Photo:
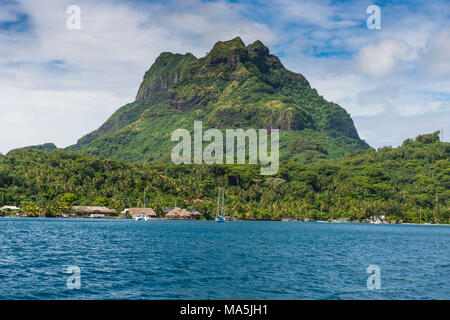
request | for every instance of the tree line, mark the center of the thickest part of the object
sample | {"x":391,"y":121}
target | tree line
{"x":410,"y":183}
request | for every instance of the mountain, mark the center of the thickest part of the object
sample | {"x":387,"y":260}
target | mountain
{"x":233,"y":86}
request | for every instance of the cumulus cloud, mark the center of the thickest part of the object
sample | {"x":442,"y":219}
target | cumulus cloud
{"x":436,"y":55}
{"x":387,"y":129}
{"x":30,"y":116}
{"x":311,"y":12}
{"x":395,"y":100}
{"x":383,"y":58}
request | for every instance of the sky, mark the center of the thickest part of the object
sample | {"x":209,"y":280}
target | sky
{"x":58,"y":84}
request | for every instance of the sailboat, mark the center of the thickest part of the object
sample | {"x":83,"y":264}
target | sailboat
{"x":220,"y":210}
{"x":143,"y":216}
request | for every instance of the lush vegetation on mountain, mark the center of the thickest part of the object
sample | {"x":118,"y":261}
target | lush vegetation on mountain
{"x":233,"y":86}
{"x":410,"y":183}
{"x":43,"y":147}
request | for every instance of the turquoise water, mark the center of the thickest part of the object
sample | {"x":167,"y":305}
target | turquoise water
{"x":124,"y":259}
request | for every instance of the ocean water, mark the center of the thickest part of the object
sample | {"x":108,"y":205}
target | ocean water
{"x":124,"y":259}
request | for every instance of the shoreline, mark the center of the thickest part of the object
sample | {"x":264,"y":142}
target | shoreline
{"x":237,"y":220}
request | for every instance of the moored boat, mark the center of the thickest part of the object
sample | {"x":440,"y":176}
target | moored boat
{"x":220,"y":210}
{"x":143,"y":216}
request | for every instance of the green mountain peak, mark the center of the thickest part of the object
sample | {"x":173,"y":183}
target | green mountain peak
{"x":233,"y":86}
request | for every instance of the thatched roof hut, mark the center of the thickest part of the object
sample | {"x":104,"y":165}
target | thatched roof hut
{"x":176,"y":213}
{"x":173,"y":214}
{"x":135,"y":212}
{"x":184,"y":214}
{"x":92,"y":210}
{"x":195,"y":214}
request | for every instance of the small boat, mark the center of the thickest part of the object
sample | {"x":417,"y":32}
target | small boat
{"x":143,"y":216}
{"x":220,"y":211}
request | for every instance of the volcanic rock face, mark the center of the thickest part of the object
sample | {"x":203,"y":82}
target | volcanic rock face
{"x":227,"y":61}
{"x":233,"y":86}
{"x":164,"y":72}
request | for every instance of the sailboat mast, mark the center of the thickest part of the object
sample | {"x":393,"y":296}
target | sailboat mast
{"x":223,"y":201}
{"x":218,"y":202}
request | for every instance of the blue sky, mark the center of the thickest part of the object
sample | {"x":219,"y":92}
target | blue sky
{"x":58,"y":84}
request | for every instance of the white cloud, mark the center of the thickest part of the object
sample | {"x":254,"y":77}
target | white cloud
{"x":369,"y":102}
{"x":383,"y":58}
{"x":311,"y":12}
{"x":397,"y":101}
{"x":37,"y":116}
{"x":436,"y":55}
{"x":388,"y":129}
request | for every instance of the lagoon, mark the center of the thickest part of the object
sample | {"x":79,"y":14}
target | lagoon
{"x":127,"y":259}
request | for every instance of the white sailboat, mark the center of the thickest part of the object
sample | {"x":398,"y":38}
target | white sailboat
{"x":220,"y":211}
{"x":143,"y":216}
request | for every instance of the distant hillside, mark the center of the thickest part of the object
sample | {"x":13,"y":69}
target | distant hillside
{"x":233,"y":86}
{"x":44,"y":147}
